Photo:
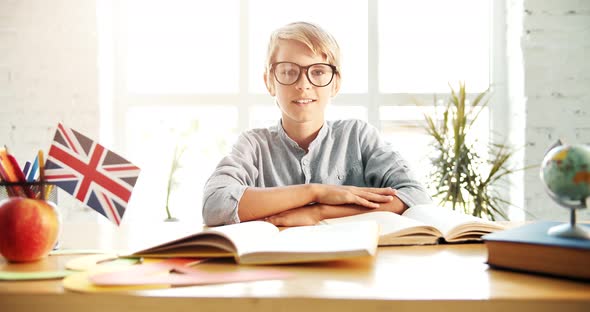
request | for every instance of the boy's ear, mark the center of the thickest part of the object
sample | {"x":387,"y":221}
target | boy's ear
{"x":269,"y":84}
{"x":336,"y":86}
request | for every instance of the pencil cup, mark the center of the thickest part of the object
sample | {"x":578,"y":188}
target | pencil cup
{"x":29,"y":226}
{"x":12,"y":189}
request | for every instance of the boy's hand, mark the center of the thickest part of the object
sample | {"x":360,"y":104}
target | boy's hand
{"x":313,"y":214}
{"x":363,"y":196}
{"x":307,"y":215}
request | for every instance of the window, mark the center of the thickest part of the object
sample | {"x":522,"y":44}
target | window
{"x":171,"y":48}
{"x":180,"y":64}
{"x":425,"y":44}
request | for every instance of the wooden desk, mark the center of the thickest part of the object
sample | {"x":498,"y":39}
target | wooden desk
{"x":418,"y":278}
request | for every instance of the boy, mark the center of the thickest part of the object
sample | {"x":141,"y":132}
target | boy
{"x":306,"y":169}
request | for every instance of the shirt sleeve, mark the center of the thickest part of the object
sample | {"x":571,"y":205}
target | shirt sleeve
{"x":385,"y":167}
{"x":227,"y":184}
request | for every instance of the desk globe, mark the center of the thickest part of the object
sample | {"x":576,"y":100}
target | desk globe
{"x":566,"y":173}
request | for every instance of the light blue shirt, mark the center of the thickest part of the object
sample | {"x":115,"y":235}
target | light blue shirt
{"x":345,"y":152}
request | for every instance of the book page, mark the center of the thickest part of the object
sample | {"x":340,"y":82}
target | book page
{"x":227,"y":238}
{"x":247,"y":235}
{"x":454,"y":226}
{"x":394,"y":229}
{"x":315,"y":243}
{"x":144,"y":237}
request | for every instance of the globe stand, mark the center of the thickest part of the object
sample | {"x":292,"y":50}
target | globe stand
{"x":571,"y":230}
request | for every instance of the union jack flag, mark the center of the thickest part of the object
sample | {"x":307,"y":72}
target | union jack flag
{"x":94,"y":175}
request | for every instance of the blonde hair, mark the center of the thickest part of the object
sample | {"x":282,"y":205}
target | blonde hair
{"x":319,"y":41}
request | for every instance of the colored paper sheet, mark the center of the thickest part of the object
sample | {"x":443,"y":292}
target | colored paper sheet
{"x":177,"y":272}
{"x":100,"y":263}
{"x":27,"y":276}
{"x":89,"y":262}
{"x":101,"y":274}
{"x":79,"y":282}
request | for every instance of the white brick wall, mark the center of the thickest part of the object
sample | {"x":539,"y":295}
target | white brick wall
{"x":555,"y":49}
{"x":48,"y":72}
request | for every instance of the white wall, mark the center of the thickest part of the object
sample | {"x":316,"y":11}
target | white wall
{"x":556,"y":52}
{"x":48,"y":73}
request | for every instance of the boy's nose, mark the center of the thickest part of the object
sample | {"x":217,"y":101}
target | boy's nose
{"x":303,"y":83}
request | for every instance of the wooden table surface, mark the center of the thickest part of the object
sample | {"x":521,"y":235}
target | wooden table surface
{"x":442,"y":277}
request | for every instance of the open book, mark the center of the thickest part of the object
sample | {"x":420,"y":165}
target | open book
{"x":258,"y":242}
{"x":423,"y":225}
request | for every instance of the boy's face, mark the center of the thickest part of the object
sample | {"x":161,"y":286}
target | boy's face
{"x":301,"y":102}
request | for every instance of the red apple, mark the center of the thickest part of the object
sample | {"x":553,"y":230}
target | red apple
{"x":28,"y":228}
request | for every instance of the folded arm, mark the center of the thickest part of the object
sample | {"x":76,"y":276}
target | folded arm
{"x":312,"y":214}
{"x":258,"y":203}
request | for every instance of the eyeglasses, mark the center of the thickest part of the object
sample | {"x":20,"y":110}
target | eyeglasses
{"x":319,"y":75}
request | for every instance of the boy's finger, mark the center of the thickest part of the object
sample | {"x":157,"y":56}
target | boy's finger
{"x":377,"y":197}
{"x":381,"y":191}
{"x":363,"y":202}
{"x":276,"y":220}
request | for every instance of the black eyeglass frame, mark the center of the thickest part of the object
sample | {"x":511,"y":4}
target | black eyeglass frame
{"x":301,"y":68}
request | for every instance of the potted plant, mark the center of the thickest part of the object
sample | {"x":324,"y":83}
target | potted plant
{"x":176,"y":164}
{"x":178,"y":151}
{"x":462,"y":178}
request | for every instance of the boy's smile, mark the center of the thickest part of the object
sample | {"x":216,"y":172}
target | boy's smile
{"x":304,"y":101}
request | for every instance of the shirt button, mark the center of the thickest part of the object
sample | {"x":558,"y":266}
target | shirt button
{"x":305,"y":162}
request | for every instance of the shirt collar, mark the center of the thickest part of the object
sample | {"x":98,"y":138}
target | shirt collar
{"x":321,"y":135}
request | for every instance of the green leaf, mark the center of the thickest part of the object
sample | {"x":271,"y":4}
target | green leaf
{"x":462,"y":178}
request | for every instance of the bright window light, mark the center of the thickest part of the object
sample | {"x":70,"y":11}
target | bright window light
{"x":181,"y":46}
{"x":426,"y":44}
